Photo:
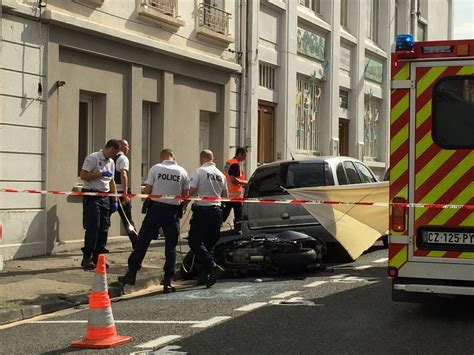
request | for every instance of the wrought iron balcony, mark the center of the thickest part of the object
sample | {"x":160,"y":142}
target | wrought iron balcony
{"x":162,"y":11}
{"x":167,"y":7}
{"x":214,"y":19}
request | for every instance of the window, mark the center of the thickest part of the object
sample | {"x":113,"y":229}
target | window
{"x":267,"y":76}
{"x":373,"y":20}
{"x":421,"y":31}
{"x":453,"y":107}
{"x":146,"y":139}
{"x":344,"y":13}
{"x":343,"y":99}
{"x":86,"y":129}
{"x":314,"y":5}
{"x":273,"y":180}
{"x":365,"y":173}
{"x":307,"y":114}
{"x":351,"y":172}
{"x":371,"y":127}
{"x":341,"y":175}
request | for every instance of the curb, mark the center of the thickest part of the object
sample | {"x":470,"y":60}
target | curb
{"x":29,"y":311}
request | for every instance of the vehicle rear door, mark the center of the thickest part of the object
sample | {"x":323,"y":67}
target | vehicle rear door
{"x":442,"y":161}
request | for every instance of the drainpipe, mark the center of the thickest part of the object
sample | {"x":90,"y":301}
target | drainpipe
{"x":243,"y":79}
{"x":413,"y":17}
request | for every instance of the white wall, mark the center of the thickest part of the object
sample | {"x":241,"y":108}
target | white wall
{"x":22,"y":135}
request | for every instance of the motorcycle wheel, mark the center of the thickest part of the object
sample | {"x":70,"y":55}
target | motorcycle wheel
{"x":296,"y":262}
{"x":188,"y":268}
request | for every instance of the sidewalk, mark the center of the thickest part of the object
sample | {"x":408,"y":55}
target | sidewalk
{"x":38,"y":285}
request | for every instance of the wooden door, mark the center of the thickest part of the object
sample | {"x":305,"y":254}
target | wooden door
{"x":343,"y":137}
{"x":266,"y":134}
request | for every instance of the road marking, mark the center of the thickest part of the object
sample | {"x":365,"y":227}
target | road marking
{"x":286,"y":294}
{"x":210,"y":322}
{"x":315,"y":284}
{"x":122,"y":321}
{"x":158,"y":341}
{"x":338,"y":276}
{"x":383,"y":260}
{"x":251,"y":306}
{"x":362,"y":267}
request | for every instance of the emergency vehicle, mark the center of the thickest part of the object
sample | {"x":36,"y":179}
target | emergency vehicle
{"x":431,"y":249}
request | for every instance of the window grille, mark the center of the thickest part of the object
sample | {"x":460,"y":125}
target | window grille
{"x":308,"y":100}
{"x":314,"y":5}
{"x":267,"y":76}
{"x":343,"y":99}
{"x":371,"y":127}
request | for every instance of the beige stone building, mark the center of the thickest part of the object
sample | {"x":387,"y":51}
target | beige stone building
{"x":161,"y":73}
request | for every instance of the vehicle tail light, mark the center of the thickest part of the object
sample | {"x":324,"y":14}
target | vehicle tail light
{"x":399,"y":214}
{"x":392,"y":271}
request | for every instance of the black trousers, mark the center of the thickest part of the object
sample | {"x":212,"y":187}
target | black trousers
{"x":237,"y":207}
{"x":96,"y":222}
{"x":159,"y":215}
{"x":125,"y":213}
{"x":204,"y":233}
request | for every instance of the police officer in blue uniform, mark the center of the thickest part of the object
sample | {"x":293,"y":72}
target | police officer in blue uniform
{"x":97,"y":172}
{"x":166,"y":178}
{"x":207,"y":181}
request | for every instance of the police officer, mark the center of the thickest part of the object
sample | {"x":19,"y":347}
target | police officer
{"x":97,"y":172}
{"x":122,"y":166}
{"x":235,"y":176}
{"x":207,"y":181}
{"x":166,"y":178}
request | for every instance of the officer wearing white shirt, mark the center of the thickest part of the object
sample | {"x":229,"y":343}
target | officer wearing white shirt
{"x":207,"y":181}
{"x":122,"y":167}
{"x":166,"y":178}
{"x":97,"y":172}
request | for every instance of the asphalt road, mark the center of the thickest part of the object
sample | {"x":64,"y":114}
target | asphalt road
{"x":345,"y":311}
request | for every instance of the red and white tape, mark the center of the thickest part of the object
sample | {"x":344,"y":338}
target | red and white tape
{"x":247,"y":200}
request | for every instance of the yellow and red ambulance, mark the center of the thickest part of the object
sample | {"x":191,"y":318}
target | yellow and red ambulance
{"x":431,"y":240}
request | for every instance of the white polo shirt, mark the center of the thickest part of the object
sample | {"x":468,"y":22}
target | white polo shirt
{"x":98,"y":161}
{"x":122,"y":163}
{"x":210,"y":182}
{"x":168,"y":178}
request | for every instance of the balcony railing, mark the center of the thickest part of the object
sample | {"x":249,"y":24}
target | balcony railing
{"x":167,"y":7}
{"x":214,"y":19}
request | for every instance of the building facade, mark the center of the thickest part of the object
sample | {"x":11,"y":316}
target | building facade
{"x":161,"y":73}
{"x":318,"y":74}
{"x":314,"y":77}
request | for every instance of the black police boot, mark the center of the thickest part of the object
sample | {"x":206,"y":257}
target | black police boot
{"x":202,"y":279}
{"x":167,"y":288}
{"x":129,"y":278}
{"x":215,"y":273}
{"x":87,"y":263}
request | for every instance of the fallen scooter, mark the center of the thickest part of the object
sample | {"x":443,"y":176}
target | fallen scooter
{"x":288,"y":251}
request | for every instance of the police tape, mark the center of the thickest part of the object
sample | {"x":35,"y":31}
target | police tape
{"x":246,"y":200}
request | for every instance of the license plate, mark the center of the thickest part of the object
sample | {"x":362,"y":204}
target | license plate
{"x":452,"y":238}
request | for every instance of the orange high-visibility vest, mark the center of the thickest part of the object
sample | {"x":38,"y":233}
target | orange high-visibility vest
{"x":235,"y":190}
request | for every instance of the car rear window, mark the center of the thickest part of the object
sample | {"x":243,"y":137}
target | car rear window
{"x":274,"y":180}
{"x":341,"y":175}
{"x":351,"y":172}
{"x":453,"y":107}
{"x":364,"y":173}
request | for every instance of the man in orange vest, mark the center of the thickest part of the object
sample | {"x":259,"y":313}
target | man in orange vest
{"x":235,"y":176}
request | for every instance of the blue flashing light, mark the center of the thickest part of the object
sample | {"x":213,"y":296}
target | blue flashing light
{"x":405,"y":43}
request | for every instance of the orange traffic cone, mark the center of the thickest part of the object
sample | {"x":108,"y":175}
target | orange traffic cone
{"x":101,"y":331}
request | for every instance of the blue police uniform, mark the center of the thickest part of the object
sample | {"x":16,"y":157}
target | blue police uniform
{"x":166,"y":178}
{"x":207,"y":215}
{"x":96,"y":210}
